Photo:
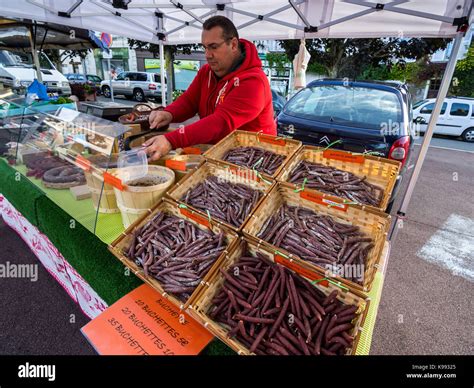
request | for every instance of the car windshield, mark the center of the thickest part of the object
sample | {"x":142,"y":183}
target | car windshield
{"x":419,"y":103}
{"x":20,"y":59}
{"x":354,"y":106}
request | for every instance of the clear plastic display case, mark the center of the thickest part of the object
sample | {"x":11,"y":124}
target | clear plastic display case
{"x":71,"y":157}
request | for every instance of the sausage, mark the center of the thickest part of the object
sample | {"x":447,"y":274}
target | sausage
{"x":300,"y":326}
{"x":318,"y":239}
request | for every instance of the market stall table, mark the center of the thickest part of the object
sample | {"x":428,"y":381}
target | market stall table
{"x":95,"y":278}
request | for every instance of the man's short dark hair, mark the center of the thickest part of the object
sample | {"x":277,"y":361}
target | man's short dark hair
{"x":228,"y":29}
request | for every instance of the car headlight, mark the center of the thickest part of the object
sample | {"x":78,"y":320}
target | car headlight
{"x":64,"y":84}
{"x":16,"y":83}
{"x":25,"y":83}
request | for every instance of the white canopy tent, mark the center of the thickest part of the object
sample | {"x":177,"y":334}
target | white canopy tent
{"x":255,"y":19}
{"x":179,"y":22}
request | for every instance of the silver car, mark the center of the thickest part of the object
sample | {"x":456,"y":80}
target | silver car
{"x":133,"y":84}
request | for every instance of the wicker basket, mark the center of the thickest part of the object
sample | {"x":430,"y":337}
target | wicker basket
{"x":372,"y":222}
{"x":227,"y":173}
{"x":120,"y":245}
{"x":278,"y":145}
{"x":379,"y":171}
{"x":199,"y":309}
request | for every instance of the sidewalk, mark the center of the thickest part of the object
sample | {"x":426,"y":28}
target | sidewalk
{"x":38,"y":317}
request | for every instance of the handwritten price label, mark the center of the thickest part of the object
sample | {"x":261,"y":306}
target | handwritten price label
{"x":272,"y":140}
{"x":195,"y":217}
{"x":311,"y":275}
{"x":319,"y":199}
{"x":176,"y":165}
{"x":343,"y":156}
{"x":113,"y":181}
{"x":83,"y":163}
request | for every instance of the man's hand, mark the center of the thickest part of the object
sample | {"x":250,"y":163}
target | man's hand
{"x":159,"y":118}
{"x":157,"y":147}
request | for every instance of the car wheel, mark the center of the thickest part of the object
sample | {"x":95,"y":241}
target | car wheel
{"x":106,"y":91}
{"x":468,"y":135}
{"x":138,"y":95}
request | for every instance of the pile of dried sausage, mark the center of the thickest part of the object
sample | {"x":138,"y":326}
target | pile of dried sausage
{"x":336,"y":182}
{"x":317,"y":238}
{"x":273,"y":311}
{"x":175,"y":252}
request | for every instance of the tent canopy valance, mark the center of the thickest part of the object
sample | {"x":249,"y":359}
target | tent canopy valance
{"x":179,"y":22}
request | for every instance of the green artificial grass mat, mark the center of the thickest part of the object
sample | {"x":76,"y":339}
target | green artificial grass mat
{"x":19,"y":191}
{"x":108,"y":227}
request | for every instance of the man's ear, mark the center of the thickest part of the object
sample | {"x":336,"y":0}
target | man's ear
{"x":235,"y":43}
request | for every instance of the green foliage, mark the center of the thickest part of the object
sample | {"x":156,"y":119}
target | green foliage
{"x":277,"y":60}
{"x":352,"y":57}
{"x":176,"y":94}
{"x":61,"y":100}
{"x":155,"y":48}
{"x":405,"y":72}
{"x":317,"y":68}
{"x":464,"y":75}
{"x":60,"y":58}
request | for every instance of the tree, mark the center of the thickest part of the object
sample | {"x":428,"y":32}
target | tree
{"x":349,"y":57}
{"x":60,"y":58}
{"x":464,"y":74}
{"x":170,"y":54}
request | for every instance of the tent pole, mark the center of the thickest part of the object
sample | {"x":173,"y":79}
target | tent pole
{"x":35,"y":56}
{"x":443,"y":91}
{"x":162,"y":73}
{"x":111,"y":81}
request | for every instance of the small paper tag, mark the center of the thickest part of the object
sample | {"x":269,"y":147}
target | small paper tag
{"x":272,"y":140}
{"x":300,"y":270}
{"x":343,"y":156}
{"x":83,"y":163}
{"x":319,"y":199}
{"x":176,"y":165}
{"x":195,"y":217}
{"x":113,"y":180}
{"x":192,"y":151}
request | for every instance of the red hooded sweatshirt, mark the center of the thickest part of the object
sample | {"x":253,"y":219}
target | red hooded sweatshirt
{"x":240,"y":100}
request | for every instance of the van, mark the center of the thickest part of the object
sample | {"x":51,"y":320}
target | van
{"x":455,"y":119}
{"x":17,"y":72}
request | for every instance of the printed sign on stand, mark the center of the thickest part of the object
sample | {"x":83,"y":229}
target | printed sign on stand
{"x":145,"y":323}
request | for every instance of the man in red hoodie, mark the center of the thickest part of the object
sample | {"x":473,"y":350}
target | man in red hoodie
{"x":230,"y":92}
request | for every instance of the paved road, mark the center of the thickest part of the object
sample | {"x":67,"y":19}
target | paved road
{"x":37,"y":315}
{"x":440,"y":141}
{"x":427,"y":305}
{"x":118,"y":99}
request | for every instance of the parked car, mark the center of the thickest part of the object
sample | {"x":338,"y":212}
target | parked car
{"x":90,"y":79}
{"x":17,"y":72}
{"x":136,"y":85}
{"x":278,"y":102}
{"x":455,"y":119}
{"x":365,"y":116}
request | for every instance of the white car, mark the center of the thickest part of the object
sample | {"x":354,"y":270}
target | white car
{"x":456,"y":117}
{"x":138,"y":85}
{"x":17,"y":72}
